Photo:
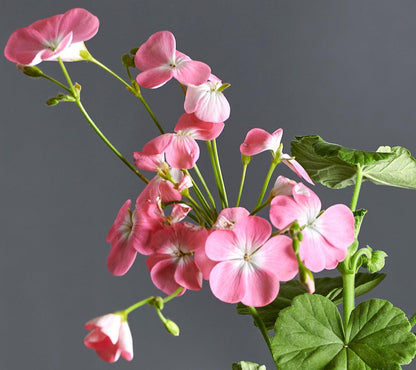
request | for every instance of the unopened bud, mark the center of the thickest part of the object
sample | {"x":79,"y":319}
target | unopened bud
{"x":171,"y":327}
{"x":282,"y":186}
{"x":31,"y":71}
{"x":127,"y":61}
{"x":306,"y":278}
{"x":158,"y":303}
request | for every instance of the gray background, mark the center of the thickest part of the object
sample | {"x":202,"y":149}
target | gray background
{"x":341,"y":69}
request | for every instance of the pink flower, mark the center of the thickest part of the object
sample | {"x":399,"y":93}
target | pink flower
{"x":282,"y":186}
{"x":207,"y":101}
{"x":160,"y":61}
{"x":326,"y":236}
{"x":259,"y":140}
{"x":171,"y":265}
{"x":250,"y":264}
{"x":110,"y":337}
{"x":62,"y":35}
{"x":181,"y":149}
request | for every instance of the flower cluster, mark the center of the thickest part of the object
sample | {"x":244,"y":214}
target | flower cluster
{"x":233,"y":248}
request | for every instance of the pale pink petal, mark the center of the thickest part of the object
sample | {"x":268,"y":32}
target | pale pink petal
{"x":284,"y":210}
{"x":260,"y":287}
{"x":282,"y":186}
{"x":213,"y":107}
{"x":297,"y":168}
{"x":148,"y":162}
{"x":204,"y":263}
{"x":71,"y":53}
{"x":308,"y":201}
{"x":190,"y":238}
{"x":229,"y":216}
{"x":226,"y":281}
{"x":199,"y":130}
{"x":179,"y":212}
{"x":154,"y":77}
{"x":159,"y":144}
{"x":118,"y":222}
{"x":252,"y":232}
{"x":192,"y":72}
{"x":255,"y":142}
{"x":158,"y":50}
{"x":108,"y":324}
{"x":192,"y":97}
{"x":120,"y":258}
{"x":188,"y":274}
{"x":336,"y":225}
{"x":125,"y":342}
{"x":183,"y":152}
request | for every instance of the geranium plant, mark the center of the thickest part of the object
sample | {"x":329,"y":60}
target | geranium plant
{"x":189,"y":233}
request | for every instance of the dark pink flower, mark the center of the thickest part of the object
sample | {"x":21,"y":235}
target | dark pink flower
{"x":160,"y":61}
{"x":250,"y":263}
{"x":326,"y":236}
{"x":207,"y":101}
{"x":172,"y":265}
{"x":110,"y":337}
{"x":62,"y":35}
{"x":259,"y":140}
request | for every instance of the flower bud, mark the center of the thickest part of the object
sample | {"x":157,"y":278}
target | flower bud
{"x":30,"y":71}
{"x":171,"y":327}
{"x":306,"y":278}
{"x":158,"y":303}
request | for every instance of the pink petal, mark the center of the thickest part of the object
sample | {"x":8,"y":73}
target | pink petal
{"x":336,"y":225}
{"x":260,"y":287}
{"x":284,"y":210}
{"x":298,"y":169}
{"x":188,"y":274}
{"x":283,"y":186}
{"x":252,"y":232}
{"x":199,"y":130}
{"x":278,"y":257}
{"x":111,"y":354}
{"x":113,"y":234}
{"x":255,"y":142}
{"x":192,"y":72}
{"x":120,"y":258}
{"x":108,"y":325}
{"x":204,"y":263}
{"x":222,"y":245}
{"x":81,"y":23}
{"x":154,"y":77}
{"x":148,"y":162}
{"x":308,"y":201}
{"x":226,"y":281}
{"x":158,"y":50}
{"x":213,"y":107}
{"x":183,"y":152}
{"x":163,"y":273}
{"x":158,"y":145}
{"x":192,"y":97}
{"x":316,"y":253}
{"x":229,"y":216}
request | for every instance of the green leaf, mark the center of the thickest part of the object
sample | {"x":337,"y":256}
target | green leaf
{"x":336,"y":167}
{"x":330,"y":164}
{"x":398,"y":170}
{"x":328,"y":287}
{"x":379,"y":334}
{"x":244,"y":365}
{"x":310,"y":335}
{"x":358,"y":218}
{"x":376,"y":262}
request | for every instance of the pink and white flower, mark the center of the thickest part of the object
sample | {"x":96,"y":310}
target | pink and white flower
{"x":110,"y":337}
{"x":250,"y":263}
{"x":171,"y":265}
{"x":160,"y":61}
{"x":62,"y":35}
{"x":259,"y":140}
{"x":282,"y":186}
{"x":326,"y":236}
{"x":180,"y":148}
{"x":207,"y":101}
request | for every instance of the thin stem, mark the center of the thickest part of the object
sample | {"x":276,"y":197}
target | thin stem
{"x":215,"y":170}
{"x":94,"y":126}
{"x":197,"y":208}
{"x":140,"y":96}
{"x":262,"y":328}
{"x":260,"y":207}
{"x":137,"y":305}
{"x":356,"y":257}
{"x":276,"y":160}
{"x":243,"y":178}
{"x":198,"y":193}
{"x":56,"y":82}
{"x":217,"y":162}
{"x":173,"y":295}
{"x":357,"y":188}
{"x":204,"y":184}
{"x":348,"y":303}
{"x":98,"y":63}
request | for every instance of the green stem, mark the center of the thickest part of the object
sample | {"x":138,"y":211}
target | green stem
{"x":348,"y":296}
{"x":221,"y":179}
{"x":198,"y":193}
{"x":56,"y":82}
{"x":204,"y":184}
{"x":94,"y":126}
{"x":215,"y":170}
{"x":262,"y":328}
{"x":173,"y":295}
{"x":260,"y":207}
{"x":198,"y":210}
{"x":356,"y":257}
{"x":243,"y":177}
{"x":357,"y":188}
{"x":276,"y":160}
